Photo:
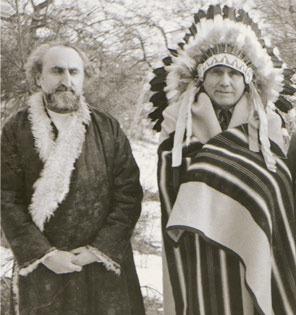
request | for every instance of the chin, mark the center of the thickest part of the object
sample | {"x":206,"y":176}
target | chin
{"x":226,"y":102}
{"x":64,"y":103}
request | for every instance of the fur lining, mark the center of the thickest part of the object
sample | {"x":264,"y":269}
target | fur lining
{"x":107,"y":261}
{"x":25,"y":271}
{"x":15,"y":289}
{"x":58,"y":156}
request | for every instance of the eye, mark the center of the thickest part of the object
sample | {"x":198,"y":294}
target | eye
{"x":74,"y":71}
{"x":57,"y":70}
{"x":234,"y":72}
{"x":217,"y":71}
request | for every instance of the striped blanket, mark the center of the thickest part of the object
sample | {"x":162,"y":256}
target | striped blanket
{"x":229,"y":230}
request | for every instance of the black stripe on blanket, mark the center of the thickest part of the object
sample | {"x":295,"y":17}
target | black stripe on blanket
{"x":229,"y":153}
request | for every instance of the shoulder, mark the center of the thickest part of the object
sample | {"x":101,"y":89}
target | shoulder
{"x":104,"y":120}
{"x":20,"y":119}
{"x":292,"y":155}
{"x":167,"y":143}
{"x":292,"y":147}
{"x":16,"y":129}
{"x":102,"y":115}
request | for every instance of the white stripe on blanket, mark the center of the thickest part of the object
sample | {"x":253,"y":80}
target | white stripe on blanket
{"x":226,"y":222}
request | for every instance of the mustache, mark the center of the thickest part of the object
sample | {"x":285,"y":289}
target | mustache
{"x":50,"y":97}
{"x":63,"y":88}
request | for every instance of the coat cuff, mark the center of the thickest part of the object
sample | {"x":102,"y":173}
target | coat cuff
{"x":32,"y":266}
{"x":107,"y":261}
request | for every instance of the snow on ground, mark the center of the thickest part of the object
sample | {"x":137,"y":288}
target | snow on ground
{"x":145,"y":154}
{"x":149,"y":267}
{"x":6,"y":261}
{"x":150,"y":274}
{"x":150,"y":223}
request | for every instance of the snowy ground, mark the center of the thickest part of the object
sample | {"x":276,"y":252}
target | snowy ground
{"x":147,"y":236}
{"x":149,"y":265}
{"x":145,"y":154}
{"x":6,"y":262}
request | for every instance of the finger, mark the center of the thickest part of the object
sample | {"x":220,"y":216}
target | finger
{"x":76,"y":262}
{"x":76,"y":267}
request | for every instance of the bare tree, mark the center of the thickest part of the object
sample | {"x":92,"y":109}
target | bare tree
{"x":279,"y":16}
{"x":123,"y":41}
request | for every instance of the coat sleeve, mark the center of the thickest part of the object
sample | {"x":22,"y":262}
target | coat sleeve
{"x":292,"y":156}
{"x":113,"y":239}
{"x":28,"y":244}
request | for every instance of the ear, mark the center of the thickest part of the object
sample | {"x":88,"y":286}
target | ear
{"x":38,"y":79}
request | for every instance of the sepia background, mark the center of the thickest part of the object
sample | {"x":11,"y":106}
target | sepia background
{"x":125,"y":40}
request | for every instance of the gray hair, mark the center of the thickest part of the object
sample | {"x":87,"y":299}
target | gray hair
{"x":33,"y":65}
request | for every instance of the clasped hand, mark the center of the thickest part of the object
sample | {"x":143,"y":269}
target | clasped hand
{"x":67,"y":262}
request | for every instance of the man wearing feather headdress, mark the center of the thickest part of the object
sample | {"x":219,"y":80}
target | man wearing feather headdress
{"x":70,"y":196}
{"x":225,"y":112}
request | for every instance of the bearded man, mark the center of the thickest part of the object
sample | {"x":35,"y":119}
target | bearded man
{"x":70,"y":196}
{"x":226,"y":115}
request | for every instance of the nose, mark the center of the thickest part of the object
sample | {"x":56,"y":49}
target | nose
{"x":225,"y":80}
{"x":66,"y":79}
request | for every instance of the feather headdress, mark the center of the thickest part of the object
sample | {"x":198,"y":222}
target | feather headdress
{"x":222,"y":35}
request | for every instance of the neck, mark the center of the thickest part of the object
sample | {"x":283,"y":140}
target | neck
{"x":224,"y":107}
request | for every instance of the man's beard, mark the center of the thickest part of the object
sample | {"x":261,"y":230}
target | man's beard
{"x":62,"y":101}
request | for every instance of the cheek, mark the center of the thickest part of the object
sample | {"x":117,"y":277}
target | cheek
{"x":240,"y":88}
{"x":48,"y":83}
{"x":210,"y":90}
{"x":208,"y":86}
{"x":78,"y":81}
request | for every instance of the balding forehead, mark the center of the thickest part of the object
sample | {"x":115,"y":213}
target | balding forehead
{"x":63,"y":57}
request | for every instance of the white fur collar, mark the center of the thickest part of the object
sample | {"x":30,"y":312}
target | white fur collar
{"x":202,"y":123}
{"x":58,"y":156}
{"x":205,"y":122}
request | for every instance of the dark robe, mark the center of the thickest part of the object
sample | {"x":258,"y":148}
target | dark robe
{"x":100,"y":210}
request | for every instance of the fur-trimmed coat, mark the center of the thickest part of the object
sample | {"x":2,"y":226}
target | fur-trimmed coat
{"x":98,"y":207}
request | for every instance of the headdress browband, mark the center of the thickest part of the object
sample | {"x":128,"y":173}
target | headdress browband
{"x":228,"y":60}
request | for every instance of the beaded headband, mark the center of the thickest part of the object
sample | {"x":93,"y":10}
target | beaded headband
{"x":226,"y":60}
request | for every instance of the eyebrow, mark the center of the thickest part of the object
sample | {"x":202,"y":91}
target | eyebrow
{"x":63,"y":68}
{"x":220,"y":68}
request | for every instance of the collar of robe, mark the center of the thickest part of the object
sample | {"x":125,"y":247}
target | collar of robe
{"x":58,"y":154}
{"x":200,"y":121}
